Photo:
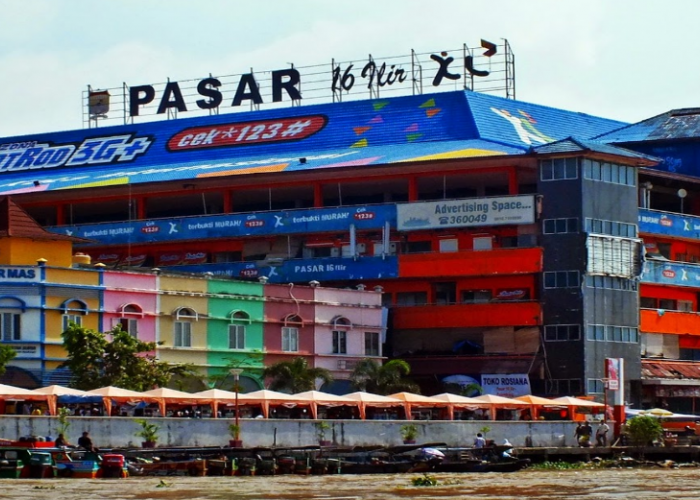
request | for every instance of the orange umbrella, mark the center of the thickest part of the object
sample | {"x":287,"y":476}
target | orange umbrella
{"x":368,"y":399}
{"x":410,"y":400}
{"x":500,"y":402}
{"x":456,"y":401}
{"x":538,"y":403}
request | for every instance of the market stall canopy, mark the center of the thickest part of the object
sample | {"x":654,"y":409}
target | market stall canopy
{"x":111,"y":393}
{"x":571,"y":401}
{"x":325,"y":399}
{"x":10,"y":392}
{"x":166,"y":395}
{"x":412,"y":400}
{"x":497,"y":402}
{"x":266,"y":397}
{"x":67,"y":395}
{"x":216,"y":396}
{"x":538,"y":403}
{"x":457,"y":401}
{"x":374,"y":400}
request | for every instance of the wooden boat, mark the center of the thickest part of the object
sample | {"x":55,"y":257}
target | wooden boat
{"x":81,"y":464}
{"x":14,"y":462}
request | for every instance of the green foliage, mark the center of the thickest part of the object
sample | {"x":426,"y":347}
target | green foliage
{"x":7,"y":354}
{"x":387,"y":378}
{"x":251,"y":362}
{"x":643,"y":430}
{"x":558,"y":465}
{"x":468,"y":390}
{"x":295,"y":376}
{"x":63,"y":422}
{"x":234,"y":431}
{"x":485,"y":430}
{"x":408,"y":432}
{"x":148,"y":431}
{"x":321,"y":427}
{"x":424,"y":480}
{"x":124,"y":362}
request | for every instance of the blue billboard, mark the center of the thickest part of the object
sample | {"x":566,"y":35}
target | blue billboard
{"x":315,"y":220}
{"x":683,"y":226}
{"x":303,"y":270}
{"x":671,"y":273}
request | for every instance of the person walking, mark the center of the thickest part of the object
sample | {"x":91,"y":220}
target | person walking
{"x":601,"y":433}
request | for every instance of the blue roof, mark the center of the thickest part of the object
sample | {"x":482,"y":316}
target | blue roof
{"x":675,"y":124}
{"x":354,"y":134}
{"x":573,"y":144}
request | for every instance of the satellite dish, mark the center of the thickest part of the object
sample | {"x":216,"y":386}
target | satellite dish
{"x":682,"y":193}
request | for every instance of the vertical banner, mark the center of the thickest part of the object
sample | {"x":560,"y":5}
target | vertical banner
{"x":612,"y":373}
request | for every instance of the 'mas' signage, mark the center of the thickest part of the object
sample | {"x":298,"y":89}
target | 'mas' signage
{"x":14,"y":274}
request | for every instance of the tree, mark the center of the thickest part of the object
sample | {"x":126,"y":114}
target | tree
{"x":643,"y":430}
{"x":251,"y":362}
{"x":124,"y":362}
{"x":370,"y":376}
{"x":295,"y":376}
{"x":7,"y":354}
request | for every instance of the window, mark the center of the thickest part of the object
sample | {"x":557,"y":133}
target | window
{"x":448,"y":245}
{"x":67,"y":319}
{"x":340,"y":342}
{"x":596,"y":386}
{"x":559,"y":169}
{"x":183,"y":334}
{"x":613,"y":283}
{"x":612,"y":228}
{"x":685,"y":305}
{"x":476,"y":296}
{"x":561,"y":279}
{"x":411,"y":298}
{"x":445,"y":292}
{"x":130,"y":326}
{"x":418,"y":247}
{"x":610,"y":333}
{"x":563,"y":386}
{"x":10,"y":326}
{"x":609,"y":172}
{"x":562,"y":333}
{"x":372,"y":344}
{"x":559,"y":226}
{"x":236,"y":336}
{"x":290,"y":339}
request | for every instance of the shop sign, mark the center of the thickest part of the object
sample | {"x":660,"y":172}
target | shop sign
{"x":14,"y":274}
{"x":507,"y":386}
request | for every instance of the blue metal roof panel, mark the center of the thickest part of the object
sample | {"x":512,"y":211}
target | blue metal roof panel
{"x":517,"y":122}
{"x":352,"y":134}
{"x":572,"y":145}
{"x":675,"y":124}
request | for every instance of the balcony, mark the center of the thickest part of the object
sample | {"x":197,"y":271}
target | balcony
{"x":480,"y":263}
{"x":671,"y":322}
{"x":524,"y":313}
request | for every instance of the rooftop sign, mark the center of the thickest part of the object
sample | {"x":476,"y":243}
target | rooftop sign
{"x":490,"y":67}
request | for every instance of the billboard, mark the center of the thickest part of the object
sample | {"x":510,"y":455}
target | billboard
{"x":466,"y":213}
{"x":507,"y":386}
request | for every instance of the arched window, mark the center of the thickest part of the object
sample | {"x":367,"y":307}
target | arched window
{"x":290,"y":333}
{"x":73,"y":312}
{"x":129,"y":318}
{"x":184,"y":316}
{"x":340,"y":326}
{"x":11,"y":309}
{"x":237,"y":329}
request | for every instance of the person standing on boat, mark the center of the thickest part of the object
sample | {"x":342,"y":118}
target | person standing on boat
{"x":61,"y":442}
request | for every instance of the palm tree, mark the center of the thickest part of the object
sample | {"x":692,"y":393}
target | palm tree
{"x":388,"y":378}
{"x":295,"y":376}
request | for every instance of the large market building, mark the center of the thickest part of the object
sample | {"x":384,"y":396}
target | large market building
{"x":504,"y":236}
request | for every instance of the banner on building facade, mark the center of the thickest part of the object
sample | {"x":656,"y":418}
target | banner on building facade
{"x":466,"y":213}
{"x":613,"y":373}
{"x":506,"y":385}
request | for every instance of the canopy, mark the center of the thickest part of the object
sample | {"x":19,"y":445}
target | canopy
{"x":375,"y":400}
{"x":17,"y":393}
{"x":500,"y":402}
{"x":456,"y":401}
{"x":111,"y":393}
{"x":216,"y":396}
{"x":538,"y":403}
{"x":266,"y":397}
{"x":53,"y":392}
{"x":166,"y":395}
{"x":323,"y":398}
{"x":416,"y":400}
{"x":570,"y":401}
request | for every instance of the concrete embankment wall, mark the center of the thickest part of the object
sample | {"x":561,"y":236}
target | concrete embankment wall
{"x":113,"y":432}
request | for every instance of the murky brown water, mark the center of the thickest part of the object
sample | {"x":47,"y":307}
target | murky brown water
{"x":607,"y":484}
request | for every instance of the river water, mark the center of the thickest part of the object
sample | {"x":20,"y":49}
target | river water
{"x":604,"y":484}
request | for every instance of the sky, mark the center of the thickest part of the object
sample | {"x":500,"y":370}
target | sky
{"x":621,"y":59}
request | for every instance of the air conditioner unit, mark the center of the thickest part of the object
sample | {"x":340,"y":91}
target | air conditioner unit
{"x":335,"y":252}
{"x":361,"y":248}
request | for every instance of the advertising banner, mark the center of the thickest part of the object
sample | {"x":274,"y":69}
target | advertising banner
{"x":470,"y":212}
{"x":683,"y":226}
{"x":612,"y":369}
{"x":297,"y":270}
{"x":233,"y":225}
{"x":507,"y":386}
{"x":671,"y":273}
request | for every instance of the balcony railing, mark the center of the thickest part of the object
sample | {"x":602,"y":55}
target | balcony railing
{"x":673,"y":322}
